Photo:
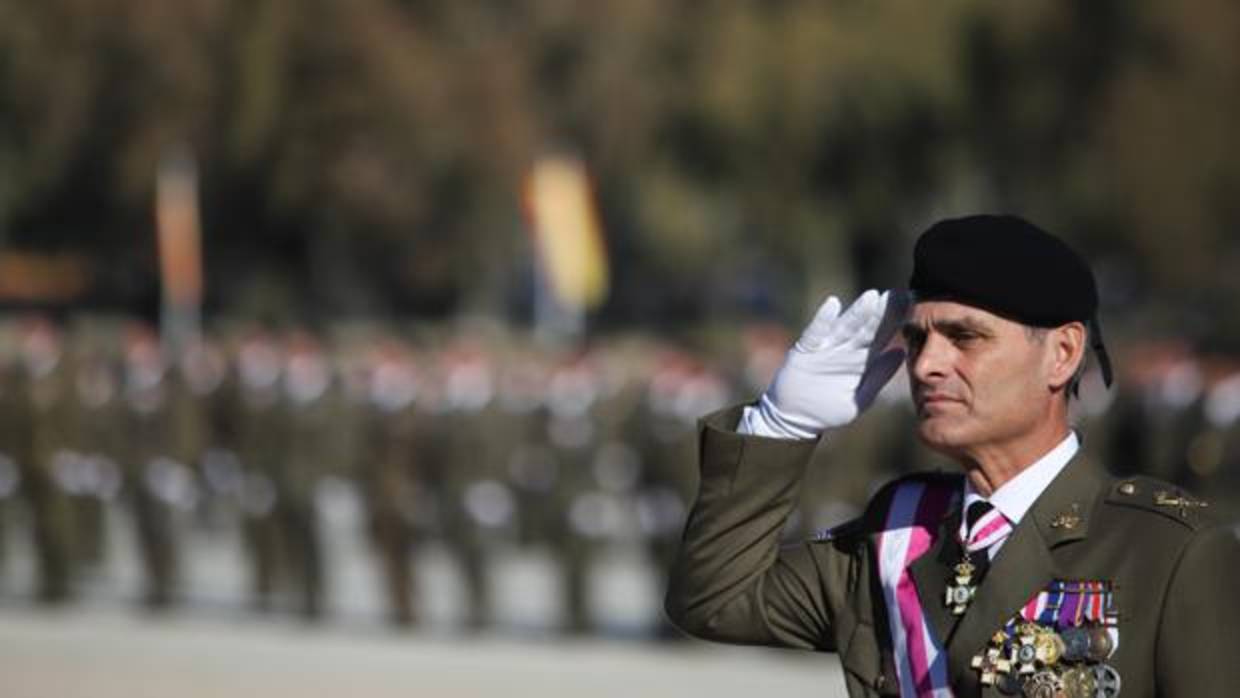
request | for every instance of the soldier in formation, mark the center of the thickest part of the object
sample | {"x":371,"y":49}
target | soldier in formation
{"x":485,"y":447}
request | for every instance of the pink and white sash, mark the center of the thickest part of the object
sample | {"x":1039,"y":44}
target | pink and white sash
{"x":916,"y":514}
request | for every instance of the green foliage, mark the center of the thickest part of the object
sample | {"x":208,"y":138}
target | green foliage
{"x":367,"y":156}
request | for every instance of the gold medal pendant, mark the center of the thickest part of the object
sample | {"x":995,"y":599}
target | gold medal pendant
{"x":1079,"y":682}
{"x":1048,"y":645}
{"x":962,"y":590}
{"x":1043,"y":684}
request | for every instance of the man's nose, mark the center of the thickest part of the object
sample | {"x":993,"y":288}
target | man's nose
{"x":930,"y":363}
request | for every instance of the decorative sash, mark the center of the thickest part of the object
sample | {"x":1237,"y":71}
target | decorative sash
{"x":913,"y":522}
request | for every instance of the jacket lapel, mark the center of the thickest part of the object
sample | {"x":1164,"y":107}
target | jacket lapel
{"x":1025,"y":564}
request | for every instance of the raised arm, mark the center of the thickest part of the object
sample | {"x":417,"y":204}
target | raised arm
{"x":731,"y":581}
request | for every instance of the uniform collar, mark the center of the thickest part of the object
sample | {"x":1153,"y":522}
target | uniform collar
{"x":1016,"y":496}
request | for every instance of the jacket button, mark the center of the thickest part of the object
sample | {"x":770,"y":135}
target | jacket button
{"x":880,"y":682}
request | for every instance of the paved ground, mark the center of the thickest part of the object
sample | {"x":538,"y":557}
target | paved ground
{"x":112,"y":653}
{"x":104,"y":647}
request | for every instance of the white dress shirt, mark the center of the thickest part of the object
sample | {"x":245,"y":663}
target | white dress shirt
{"x":1015,"y":497}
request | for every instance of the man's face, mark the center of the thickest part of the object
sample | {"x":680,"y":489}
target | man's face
{"x":977,"y":380}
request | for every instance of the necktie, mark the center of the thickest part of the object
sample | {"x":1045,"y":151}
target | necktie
{"x":986,"y":527}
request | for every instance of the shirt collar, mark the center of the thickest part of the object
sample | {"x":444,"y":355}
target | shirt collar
{"x":1015,"y":497}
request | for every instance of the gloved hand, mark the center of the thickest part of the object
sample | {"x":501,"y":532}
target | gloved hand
{"x":834,"y":371}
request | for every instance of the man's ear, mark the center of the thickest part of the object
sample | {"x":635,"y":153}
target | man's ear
{"x":1066,"y":351}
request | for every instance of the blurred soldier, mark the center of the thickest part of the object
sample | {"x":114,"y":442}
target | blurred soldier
{"x":260,"y":362}
{"x":609,"y":514}
{"x":1215,"y":455}
{"x":1206,"y":425}
{"x":1169,"y":382}
{"x":584,"y":516}
{"x":160,"y":484}
{"x":1181,"y":395}
{"x":94,"y":476}
{"x":12,"y":431}
{"x":478,"y":506}
{"x":39,"y":412}
{"x":1125,"y":433}
{"x":10,"y":485}
{"x":678,"y":386}
{"x":667,"y":484}
{"x":531,"y":465}
{"x":398,"y":501}
{"x":308,"y":402}
{"x":210,"y":388}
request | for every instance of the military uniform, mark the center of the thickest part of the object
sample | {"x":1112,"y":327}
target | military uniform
{"x":159,"y":484}
{"x":14,"y":435}
{"x":212,"y":415}
{"x":37,"y":429}
{"x":260,"y":448}
{"x":97,"y":429}
{"x":396,"y":494}
{"x":463,"y":461}
{"x":1171,"y":573}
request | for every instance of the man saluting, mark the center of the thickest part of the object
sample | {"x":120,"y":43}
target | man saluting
{"x":1030,"y":573}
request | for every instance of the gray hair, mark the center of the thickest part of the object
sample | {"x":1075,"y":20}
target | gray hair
{"x":1038,"y":334}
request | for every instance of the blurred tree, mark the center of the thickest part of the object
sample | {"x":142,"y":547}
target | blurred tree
{"x":366,"y":157}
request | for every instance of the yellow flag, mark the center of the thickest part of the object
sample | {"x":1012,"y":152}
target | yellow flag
{"x":566,"y":232}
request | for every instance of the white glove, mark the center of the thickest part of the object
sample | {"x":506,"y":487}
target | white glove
{"x":834,"y":371}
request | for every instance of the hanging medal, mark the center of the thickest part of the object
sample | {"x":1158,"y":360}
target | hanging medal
{"x":986,"y":527}
{"x":962,"y":589}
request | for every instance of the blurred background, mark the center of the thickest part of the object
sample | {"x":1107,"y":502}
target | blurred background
{"x":367,"y":339}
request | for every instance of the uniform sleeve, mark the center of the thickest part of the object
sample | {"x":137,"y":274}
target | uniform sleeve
{"x":1200,"y":628}
{"x":731,"y":581}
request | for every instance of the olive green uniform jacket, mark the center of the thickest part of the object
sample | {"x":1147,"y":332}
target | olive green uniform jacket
{"x":1176,"y":577}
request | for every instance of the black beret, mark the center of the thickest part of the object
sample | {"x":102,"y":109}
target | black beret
{"x":1010,"y":267}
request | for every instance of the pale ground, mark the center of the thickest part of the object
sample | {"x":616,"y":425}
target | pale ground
{"x":104,"y":647}
{"x":110,"y":654}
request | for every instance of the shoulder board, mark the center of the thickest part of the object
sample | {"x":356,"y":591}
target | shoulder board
{"x":1160,"y":497}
